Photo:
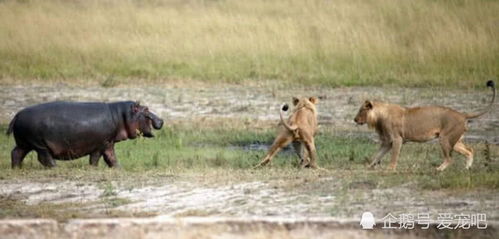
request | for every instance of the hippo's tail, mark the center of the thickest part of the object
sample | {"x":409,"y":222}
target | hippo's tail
{"x":11,"y":125}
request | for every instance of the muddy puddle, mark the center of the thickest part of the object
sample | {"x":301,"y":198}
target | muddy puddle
{"x":261,"y":147}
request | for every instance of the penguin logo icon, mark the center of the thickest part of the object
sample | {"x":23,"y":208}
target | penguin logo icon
{"x":367,"y":220}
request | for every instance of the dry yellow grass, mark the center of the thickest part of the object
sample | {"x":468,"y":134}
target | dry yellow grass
{"x":342,"y":42}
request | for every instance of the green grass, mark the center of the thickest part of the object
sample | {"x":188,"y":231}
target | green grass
{"x":210,"y":157}
{"x":335,"y":43}
{"x":218,"y":155}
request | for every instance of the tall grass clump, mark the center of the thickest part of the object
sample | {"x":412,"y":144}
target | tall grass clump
{"x":342,"y":42}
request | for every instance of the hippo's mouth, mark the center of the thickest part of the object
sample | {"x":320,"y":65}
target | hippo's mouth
{"x":145,"y":134}
{"x":149,"y":133}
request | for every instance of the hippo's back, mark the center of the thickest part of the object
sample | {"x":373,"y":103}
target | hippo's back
{"x":60,"y":114}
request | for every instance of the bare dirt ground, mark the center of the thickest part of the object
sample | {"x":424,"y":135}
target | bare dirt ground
{"x":323,"y":197}
{"x":220,"y":228}
{"x":185,"y":209}
{"x":255,"y":198}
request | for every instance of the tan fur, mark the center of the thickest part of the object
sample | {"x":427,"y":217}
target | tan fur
{"x":300,"y":130}
{"x":396,"y":125}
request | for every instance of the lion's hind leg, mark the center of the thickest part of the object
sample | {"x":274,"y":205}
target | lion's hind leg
{"x":280,"y":142}
{"x":446,"y":150}
{"x":448,"y":139}
{"x":461,"y":148}
{"x":309,"y":143}
{"x":302,"y":154}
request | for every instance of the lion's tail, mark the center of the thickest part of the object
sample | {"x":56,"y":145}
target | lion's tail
{"x":11,"y":126}
{"x":492,"y":85}
{"x":285,"y":107}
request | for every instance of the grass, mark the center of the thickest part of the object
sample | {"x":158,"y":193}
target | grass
{"x":220,"y":155}
{"x":217,"y":156}
{"x":334,"y":43}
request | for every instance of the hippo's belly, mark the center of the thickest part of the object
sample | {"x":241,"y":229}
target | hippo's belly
{"x":74,"y":151}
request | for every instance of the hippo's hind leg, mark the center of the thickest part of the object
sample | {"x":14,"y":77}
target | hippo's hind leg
{"x":17,"y":156}
{"x":94,"y":158}
{"x":45,"y":158}
{"x":110,"y":157}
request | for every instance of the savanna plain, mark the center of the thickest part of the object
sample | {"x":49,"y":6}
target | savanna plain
{"x":217,"y":73}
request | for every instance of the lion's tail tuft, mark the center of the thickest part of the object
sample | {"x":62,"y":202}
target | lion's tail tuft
{"x":492,"y":85}
{"x":285,"y":107}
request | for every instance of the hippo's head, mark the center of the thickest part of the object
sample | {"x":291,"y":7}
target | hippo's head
{"x":142,"y":120}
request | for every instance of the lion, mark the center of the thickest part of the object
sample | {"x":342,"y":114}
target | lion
{"x":300,"y":130}
{"x":396,"y":125}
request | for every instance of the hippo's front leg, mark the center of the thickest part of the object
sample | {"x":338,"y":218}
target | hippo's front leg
{"x":94,"y":158}
{"x":110,"y":157}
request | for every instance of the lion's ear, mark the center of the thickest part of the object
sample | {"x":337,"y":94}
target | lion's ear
{"x":295,"y":101}
{"x":368,"y":104}
{"x":314,"y":100}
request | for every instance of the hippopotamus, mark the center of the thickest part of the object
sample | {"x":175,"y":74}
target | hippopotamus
{"x":70,"y":130}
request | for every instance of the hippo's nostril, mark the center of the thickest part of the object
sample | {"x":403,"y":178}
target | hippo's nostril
{"x":158,"y":124}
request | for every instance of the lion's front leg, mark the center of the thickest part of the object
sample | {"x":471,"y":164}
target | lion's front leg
{"x":383,"y":149}
{"x":396,"y":146}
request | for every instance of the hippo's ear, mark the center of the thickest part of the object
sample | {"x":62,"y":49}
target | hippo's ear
{"x":135,"y":108}
{"x":295,"y":101}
